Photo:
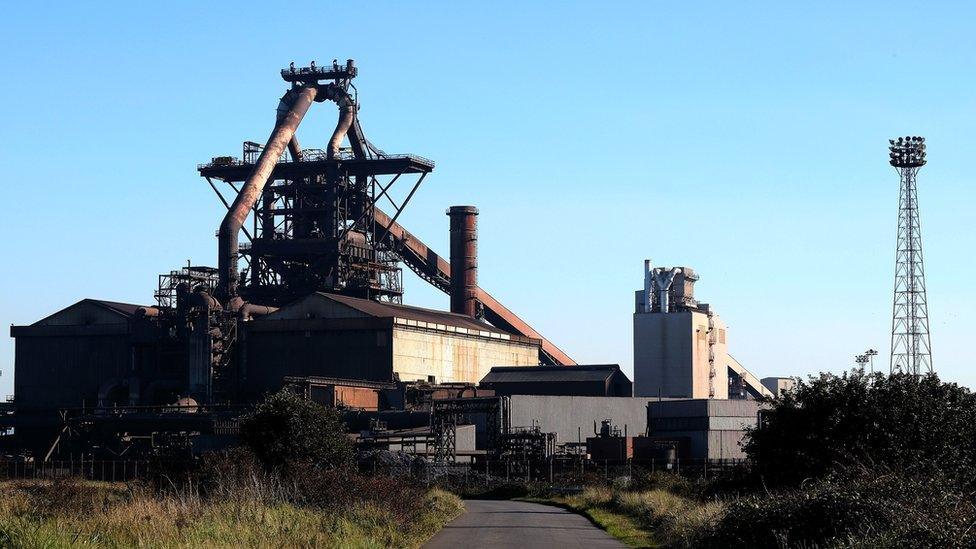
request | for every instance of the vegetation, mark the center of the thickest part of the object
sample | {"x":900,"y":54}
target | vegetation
{"x":901,"y":422}
{"x":850,"y":461}
{"x":255,"y":514}
{"x":653,"y":510}
{"x":870,"y":510}
{"x":293,"y":484}
{"x":287,"y":429}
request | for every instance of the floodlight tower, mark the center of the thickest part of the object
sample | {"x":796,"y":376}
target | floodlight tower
{"x":911,"y":349}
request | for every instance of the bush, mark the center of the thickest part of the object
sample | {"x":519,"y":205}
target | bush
{"x":887,"y":510}
{"x":903,"y":422}
{"x":286,"y":429}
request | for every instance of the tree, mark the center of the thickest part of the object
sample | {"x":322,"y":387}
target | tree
{"x":285,"y":429}
{"x":900,"y":422}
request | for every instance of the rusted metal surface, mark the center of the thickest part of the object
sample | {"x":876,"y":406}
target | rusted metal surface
{"x":295,"y":149}
{"x":436,"y":270}
{"x":464,"y":260}
{"x":298,"y":101}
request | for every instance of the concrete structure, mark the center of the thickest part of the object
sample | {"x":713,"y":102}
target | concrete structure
{"x":582,"y":380}
{"x":680,"y":345}
{"x":777,"y":385}
{"x":573,"y":418}
{"x":710,"y":428}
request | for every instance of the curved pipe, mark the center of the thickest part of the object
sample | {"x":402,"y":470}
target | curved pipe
{"x":150,"y":312}
{"x":347,"y":114}
{"x":295,"y":149}
{"x":250,"y":310}
{"x":203,"y":299}
{"x":663,"y":278}
{"x":292,"y":108}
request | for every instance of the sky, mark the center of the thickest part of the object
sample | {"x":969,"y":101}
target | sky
{"x":745,"y":139}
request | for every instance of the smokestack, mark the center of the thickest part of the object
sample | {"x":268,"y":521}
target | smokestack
{"x":648,"y":285}
{"x":464,"y":259}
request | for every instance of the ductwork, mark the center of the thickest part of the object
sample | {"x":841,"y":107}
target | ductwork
{"x":203,"y":300}
{"x":663,"y":278}
{"x":292,"y":108}
{"x":147,"y":312}
{"x":347,"y":115}
{"x":249,"y":310}
{"x":295,"y":149}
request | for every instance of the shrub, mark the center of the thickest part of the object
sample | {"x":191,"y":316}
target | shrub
{"x":903,"y":422}
{"x":285,"y":429}
{"x":886,"y":510}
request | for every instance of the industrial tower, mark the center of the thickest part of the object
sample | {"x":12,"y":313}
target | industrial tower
{"x":911,"y":349}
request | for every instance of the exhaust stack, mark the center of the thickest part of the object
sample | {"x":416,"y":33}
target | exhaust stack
{"x":464,"y":260}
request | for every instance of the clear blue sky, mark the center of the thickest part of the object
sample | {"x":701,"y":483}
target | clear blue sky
{"x":746,"y":141}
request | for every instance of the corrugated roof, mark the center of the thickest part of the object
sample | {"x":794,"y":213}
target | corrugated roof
{"x":127,"y":309}
{"x":70,"y":313}
{"x":542,"y":374}
{"x":409,"y":312}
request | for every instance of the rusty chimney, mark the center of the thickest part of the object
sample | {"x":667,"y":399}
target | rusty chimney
{"x":464,"y":259}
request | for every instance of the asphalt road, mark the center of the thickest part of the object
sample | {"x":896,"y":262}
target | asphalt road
{"x":494,"y":523}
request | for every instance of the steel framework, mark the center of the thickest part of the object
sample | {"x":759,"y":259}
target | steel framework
{"x":446,"y":414}
{"x":911,"y":348}
{"x":314,"y":226}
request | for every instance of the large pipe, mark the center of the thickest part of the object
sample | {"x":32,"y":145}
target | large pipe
{"x":648,"y":285}
{"x":295,"y":149}
{"x":250,"y":310}
{"x":464,"y":259}
{"x":294,"y":104}
{"x":663,"y":278}
{"x":347,"y":115}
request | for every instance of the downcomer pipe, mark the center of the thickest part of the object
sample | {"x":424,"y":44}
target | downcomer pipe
{"x":464,"y":259}
{"x":292,"y":108}
{"x":347,"y":115}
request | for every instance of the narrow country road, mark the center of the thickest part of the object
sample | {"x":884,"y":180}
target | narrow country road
{"x":494,"y":523}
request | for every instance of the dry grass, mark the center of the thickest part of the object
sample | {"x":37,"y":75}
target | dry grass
{"x":644,"y":518}
{"x":677,"y":520}
{"x":86,"y":514}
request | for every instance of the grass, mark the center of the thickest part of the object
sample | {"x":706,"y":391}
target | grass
{"x":655,"y":517}
{"x":88,"y":514}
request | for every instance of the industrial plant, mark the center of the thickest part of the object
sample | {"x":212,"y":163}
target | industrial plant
{"x":307,"y":295}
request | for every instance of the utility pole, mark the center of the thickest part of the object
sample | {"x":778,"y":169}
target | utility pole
{"x":911,"y":348}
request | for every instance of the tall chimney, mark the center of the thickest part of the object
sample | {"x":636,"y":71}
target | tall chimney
{"x":464,"y":259}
